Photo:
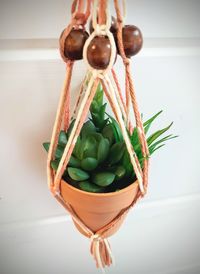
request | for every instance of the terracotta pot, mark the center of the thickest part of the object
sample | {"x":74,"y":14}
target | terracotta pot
{"x":98,"y":209}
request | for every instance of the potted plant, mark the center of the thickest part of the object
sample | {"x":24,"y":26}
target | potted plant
{"x":99,"y":181}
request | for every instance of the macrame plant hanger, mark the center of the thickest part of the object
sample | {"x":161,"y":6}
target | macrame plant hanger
{"x":100,"y":248}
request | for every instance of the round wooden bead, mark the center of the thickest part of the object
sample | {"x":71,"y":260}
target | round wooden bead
{"x":132,"y":40}
{"x":113,"y":27}
{"x":99,"y":52}
{"x":74,"y":43}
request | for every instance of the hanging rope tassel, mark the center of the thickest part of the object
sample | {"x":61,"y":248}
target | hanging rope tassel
{"x":101,"y":251}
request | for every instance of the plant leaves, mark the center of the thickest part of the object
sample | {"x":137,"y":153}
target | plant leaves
{"x":77,"y":174}
{"x":59,"y":151}
{"x":127,"y":164}
{"x":88,"y":147}
{"x":119,"y":172}
{"x":116,"y":129}
{"x":103,"y":150}
{"x":153,"y":148}
{"x":148,"y":123}
{"x":157,"y":134}
{"x":135,"y":138}
{"x":89,"y":163}
{"x":87,"y":128}
{"x":46,"y":146}
{"x":74,"y":162}
{"x":116,"y":153}
{"x":97,"y":109}
{"x":98,"y":98}
{"x":98,"y":120}
{"x":107,"y":132}
{"x":97,"y":136}
{"x":76,"y":151}
{"x":90,"y":187}
{"x":62,"y":140}
{"x":55,"y":163}
{"x":103,"y":178}
{"x":166,"y":138}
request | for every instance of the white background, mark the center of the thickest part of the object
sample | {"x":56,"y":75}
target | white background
{"x":161,"y":235}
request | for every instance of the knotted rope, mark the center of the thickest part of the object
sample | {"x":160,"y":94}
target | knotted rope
{"x":100,"y":248}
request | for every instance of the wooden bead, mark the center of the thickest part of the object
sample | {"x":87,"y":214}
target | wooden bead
{"x":113,"y":27}
{"x":99,"y":52}
{"x":132,"y":40}
{"x":74,"y":43}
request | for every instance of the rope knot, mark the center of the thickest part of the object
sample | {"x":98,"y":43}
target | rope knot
{"x":126,"y":62}
{"x":79,"y":19}
{"x":96,"y":237}
{"x":120,"y":20}
{"x":98,"y":73}
{"x":100,"y":29}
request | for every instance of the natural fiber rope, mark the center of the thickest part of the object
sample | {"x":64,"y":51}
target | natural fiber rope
{"x":100,"y":247}
{"x":58,"y":120}
{"x":80,"y":94}
{"x":139,"y":125}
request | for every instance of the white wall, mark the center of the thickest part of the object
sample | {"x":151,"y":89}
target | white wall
{"x":161,"y":235}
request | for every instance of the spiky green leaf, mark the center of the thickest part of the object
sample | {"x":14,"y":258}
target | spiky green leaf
{"x":157,"y":134}
{"x":148,"y":123}
{"x":46,"y":146}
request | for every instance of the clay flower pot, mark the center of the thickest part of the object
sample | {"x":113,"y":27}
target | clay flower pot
{"x":98,"y":209}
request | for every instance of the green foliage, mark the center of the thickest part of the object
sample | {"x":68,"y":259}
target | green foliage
{"x":62,"y":140}
{"x":90,"y":187}
{"x":46,"y":146}
{"x":74,"y":162}
{"x":77,"y":174}
{"x":148,"y":123}
{"x":103,"y":150}
{"x":89,"y":163}
{"x":116,"y":129}
{"x":116,"y":153}
{"x":100,"y":161}
{"x":103,"y":178}
{"x":108,"y":133}
{"x":97,"y":109}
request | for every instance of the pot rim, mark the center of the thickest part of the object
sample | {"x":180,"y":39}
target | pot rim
{"x":109,"y":194}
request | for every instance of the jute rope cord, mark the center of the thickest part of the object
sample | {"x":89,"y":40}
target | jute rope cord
{"x":100,"y":248}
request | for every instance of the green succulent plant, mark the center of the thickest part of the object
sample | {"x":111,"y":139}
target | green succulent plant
{"x":100,"y":161}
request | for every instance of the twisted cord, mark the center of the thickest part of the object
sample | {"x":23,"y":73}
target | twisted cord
{"x":82,"y":113}
{"x":139,"y":125}
{"x":58,"y":121}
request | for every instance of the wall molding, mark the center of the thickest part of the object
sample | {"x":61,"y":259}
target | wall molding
{"x":47,"y":49}
{"x":160,"y":204}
